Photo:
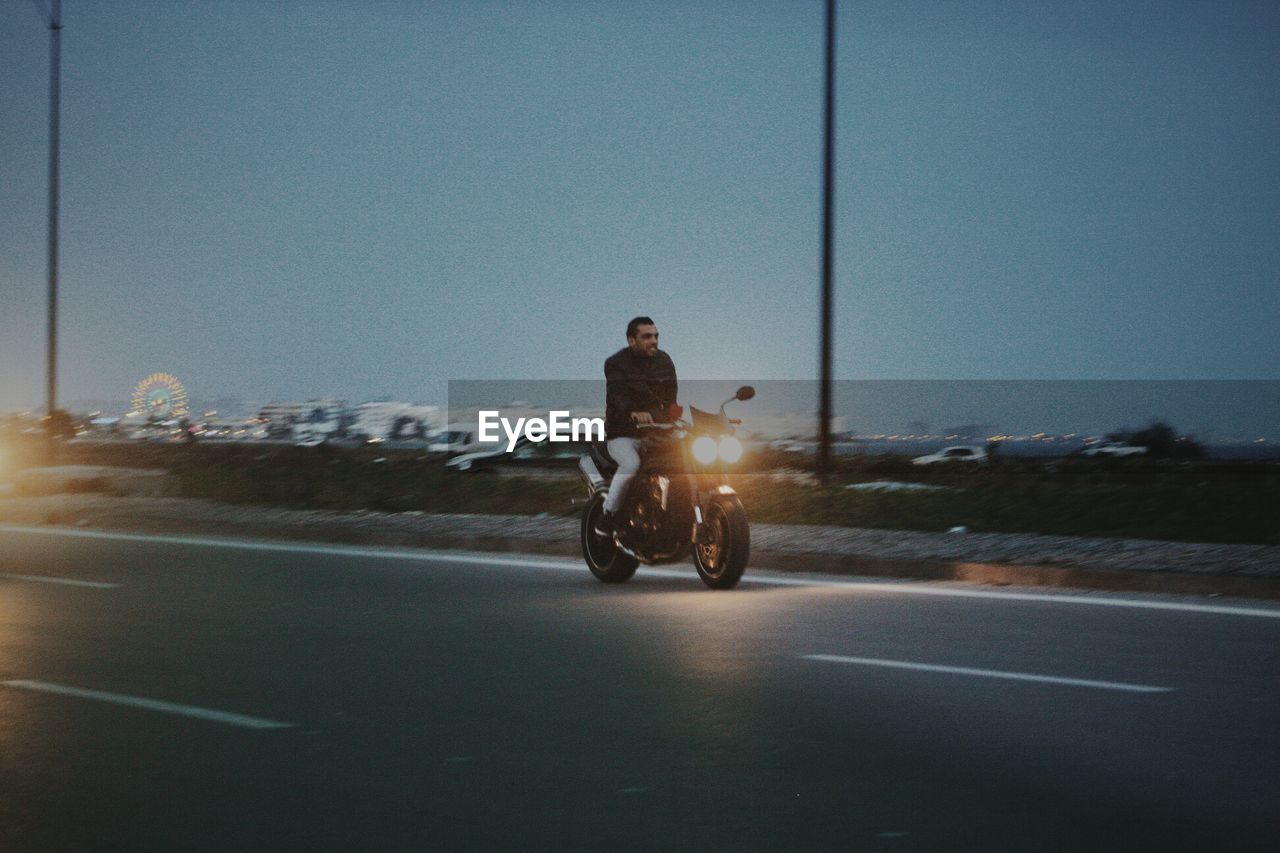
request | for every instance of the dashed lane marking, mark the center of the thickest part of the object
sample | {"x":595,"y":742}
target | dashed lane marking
{"x":150,"y":704}
{"x":63,"y":581}
{"x":991,"y":673}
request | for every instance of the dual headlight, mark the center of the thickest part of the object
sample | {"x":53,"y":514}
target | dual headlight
{"x":707,"y":450}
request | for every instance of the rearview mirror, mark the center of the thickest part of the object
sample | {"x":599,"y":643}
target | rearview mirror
{"x":746,"y":392}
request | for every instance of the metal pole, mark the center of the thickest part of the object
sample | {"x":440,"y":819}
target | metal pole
{"x":828,"y":216}
{"x":55,"y":86}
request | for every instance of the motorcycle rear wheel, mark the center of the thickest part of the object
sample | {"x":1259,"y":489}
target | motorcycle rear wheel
{"x":722,"y":560}
{"x":604,"y":558}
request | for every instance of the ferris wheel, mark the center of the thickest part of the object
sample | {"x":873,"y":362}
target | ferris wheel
{"x":160,"y":396}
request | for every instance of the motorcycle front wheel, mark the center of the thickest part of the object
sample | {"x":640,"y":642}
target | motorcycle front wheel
{"x":606,"y":560}
{"x":722,"y":559}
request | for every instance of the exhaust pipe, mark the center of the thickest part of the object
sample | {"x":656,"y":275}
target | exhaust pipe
{"x":591,"y":474}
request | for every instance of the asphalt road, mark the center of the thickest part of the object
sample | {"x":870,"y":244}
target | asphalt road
{"x":347,"y":698}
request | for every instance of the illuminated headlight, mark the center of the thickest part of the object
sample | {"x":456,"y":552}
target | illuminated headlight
{"x":707,"y":450}
{"x":704,"y":449}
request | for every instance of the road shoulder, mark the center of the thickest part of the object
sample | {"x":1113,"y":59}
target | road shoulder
{"x":1248,"y":571}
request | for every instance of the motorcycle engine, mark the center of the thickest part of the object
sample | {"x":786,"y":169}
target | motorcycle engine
{"x":662,"y":515}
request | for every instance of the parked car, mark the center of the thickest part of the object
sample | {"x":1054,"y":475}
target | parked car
{"x":491,"y":454}
{"x":526,"y":453}
{"x":456,"y":438}
{"x":1113,"y":449}
{"x":958,"y":453}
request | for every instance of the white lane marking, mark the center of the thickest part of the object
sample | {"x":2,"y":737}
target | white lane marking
{"x":151,"y":705}
{"x":991,"y":673}
{"x":64,"y":581}
{"x":922,"y":588}
{"x":757,"y":578}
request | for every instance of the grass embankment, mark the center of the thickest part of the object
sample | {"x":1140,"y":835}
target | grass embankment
{"x":1187,"y":501}
{"x":1148,"y":499}
{"x":331,"y":478}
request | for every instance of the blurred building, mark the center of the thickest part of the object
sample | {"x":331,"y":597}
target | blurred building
{"x":389,"y":420}
{"x":323,"y":414}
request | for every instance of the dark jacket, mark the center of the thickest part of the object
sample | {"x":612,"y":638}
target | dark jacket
{"x":636,"y":383}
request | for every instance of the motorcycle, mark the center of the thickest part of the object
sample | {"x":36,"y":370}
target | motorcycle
{"x":679,"y":500}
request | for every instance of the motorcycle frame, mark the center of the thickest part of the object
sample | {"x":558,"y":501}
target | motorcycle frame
{"x":705,"y":481}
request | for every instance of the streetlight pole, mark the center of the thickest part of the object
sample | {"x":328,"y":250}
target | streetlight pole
{"x":828,"y":216}
{"x":54,"y":22}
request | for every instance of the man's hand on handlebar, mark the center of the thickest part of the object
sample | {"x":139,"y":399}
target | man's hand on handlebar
{"x":642,"y":417}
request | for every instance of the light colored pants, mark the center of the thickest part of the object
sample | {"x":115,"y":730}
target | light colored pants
{"x":626,"y":452}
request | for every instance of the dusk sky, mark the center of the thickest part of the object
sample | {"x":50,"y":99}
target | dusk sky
{"x":282,"y":200}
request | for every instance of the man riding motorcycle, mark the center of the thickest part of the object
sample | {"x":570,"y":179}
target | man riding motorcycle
{"x":641,"y":388}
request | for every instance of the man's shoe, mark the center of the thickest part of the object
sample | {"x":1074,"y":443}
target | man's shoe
{"x":604,"y":525}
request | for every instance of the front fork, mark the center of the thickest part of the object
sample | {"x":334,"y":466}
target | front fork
{"x":701,"y":497}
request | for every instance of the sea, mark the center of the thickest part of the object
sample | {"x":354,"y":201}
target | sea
{"x":1257,"y":452}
